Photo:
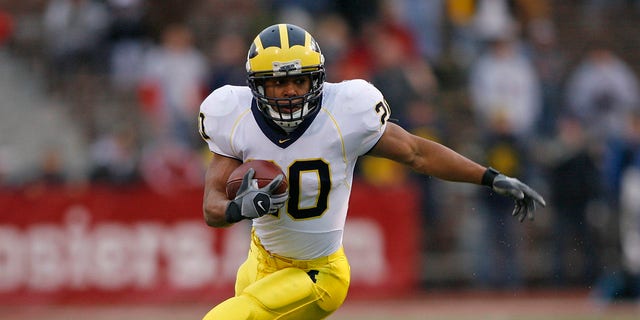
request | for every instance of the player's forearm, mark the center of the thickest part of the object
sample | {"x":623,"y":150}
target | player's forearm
{"x":215,"y":200}
{"x":444,"y":163}
{"x":214,"y":208}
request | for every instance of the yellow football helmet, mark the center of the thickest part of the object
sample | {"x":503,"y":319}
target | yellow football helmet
{"x":284,"y":50}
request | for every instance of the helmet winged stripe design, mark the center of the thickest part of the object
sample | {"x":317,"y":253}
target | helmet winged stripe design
{"x":285,"y":50}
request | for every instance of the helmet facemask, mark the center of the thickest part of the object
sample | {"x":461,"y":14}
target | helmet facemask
{"x":288,"y":112}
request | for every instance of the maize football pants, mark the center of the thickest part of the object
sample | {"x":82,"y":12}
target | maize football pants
{"x":272,"y":287}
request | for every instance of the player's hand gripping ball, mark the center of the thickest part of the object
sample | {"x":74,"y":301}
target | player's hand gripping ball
{"x":265,"y":172}
{"x":255,"y":188}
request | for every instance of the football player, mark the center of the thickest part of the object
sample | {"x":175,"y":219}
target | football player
{"x":315,"y":131}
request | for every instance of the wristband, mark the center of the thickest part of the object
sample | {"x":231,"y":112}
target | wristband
{"x":488,"y":176}
{"x":232,"y":214}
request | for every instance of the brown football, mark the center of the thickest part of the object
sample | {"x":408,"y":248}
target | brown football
{"x":266,"y":171}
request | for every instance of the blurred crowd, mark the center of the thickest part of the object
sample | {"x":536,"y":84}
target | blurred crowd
{"x":539,"y":89}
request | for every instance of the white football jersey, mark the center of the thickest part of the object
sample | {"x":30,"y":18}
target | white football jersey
{"x":318,"y":157}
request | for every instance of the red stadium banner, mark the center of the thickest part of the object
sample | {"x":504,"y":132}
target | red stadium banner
{"x":124,"y":245}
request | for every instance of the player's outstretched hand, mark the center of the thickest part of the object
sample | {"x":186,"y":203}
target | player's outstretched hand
{"x":525,"y":197}
{"x":252,"y":202}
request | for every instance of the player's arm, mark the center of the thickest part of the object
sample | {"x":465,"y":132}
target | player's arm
{"x":215,"y":200}
{"x":429,"y":157}
{"x":426,"y":156}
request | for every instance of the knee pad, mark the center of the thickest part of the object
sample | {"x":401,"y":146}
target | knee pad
{"x":233,"y":308}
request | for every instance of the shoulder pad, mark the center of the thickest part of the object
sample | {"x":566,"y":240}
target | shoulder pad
{"x":219,"y":112}
{"x":223,"y":100}
{"x":360,"y":89}
{"x":354,"y":96}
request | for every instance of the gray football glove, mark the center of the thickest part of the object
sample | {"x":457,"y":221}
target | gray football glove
{"x":252,"y":202}
{"x":525,"y":197}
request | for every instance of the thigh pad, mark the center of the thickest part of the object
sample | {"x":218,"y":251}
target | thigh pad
{"x":284,"y":289}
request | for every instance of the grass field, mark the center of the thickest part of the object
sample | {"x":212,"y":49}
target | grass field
{"x":441,"y":306}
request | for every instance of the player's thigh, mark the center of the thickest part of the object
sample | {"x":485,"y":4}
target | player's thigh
{"x":294,"y":293}
{"x":247,"y":274}
{"x":289,"y":293}
{"x":332,"y":283}
{"x":284,"y":290}
{"x":275,"y":296}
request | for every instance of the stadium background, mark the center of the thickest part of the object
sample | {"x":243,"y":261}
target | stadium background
{"x":100,"y":204}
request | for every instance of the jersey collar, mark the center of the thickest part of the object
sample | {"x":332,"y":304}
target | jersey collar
{"x":272,"y":131}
